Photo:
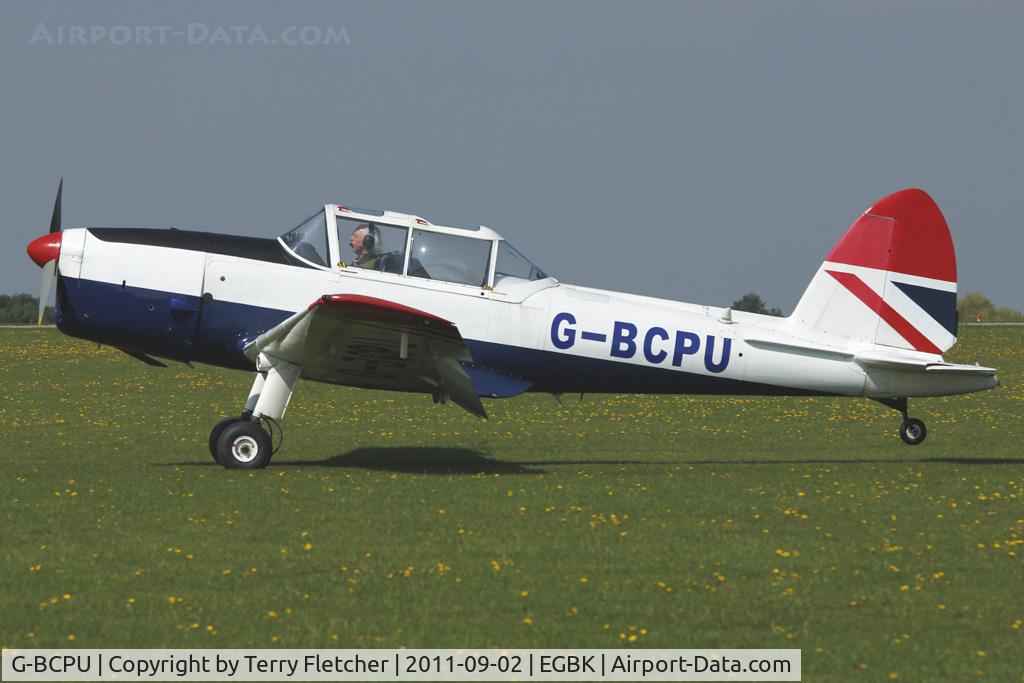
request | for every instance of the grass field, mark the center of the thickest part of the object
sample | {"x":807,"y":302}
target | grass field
{"x":616,"y":522}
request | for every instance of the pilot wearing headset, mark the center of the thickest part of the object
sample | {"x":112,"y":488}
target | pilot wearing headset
{"x":365,"y":243}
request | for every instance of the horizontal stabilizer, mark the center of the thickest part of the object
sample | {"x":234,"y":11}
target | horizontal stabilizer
{"x":962,"y":369}
{"x":890,"y":361}
{"x":887,"y":361}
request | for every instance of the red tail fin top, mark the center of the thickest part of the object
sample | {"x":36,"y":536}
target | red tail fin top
{"x":902,"y":233}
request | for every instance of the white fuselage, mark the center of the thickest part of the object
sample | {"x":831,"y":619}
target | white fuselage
{"x":570,"y":338}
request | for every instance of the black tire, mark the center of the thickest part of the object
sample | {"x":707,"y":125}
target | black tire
{"x":244,"y":445}
{"x":913,"y":431}
{"x":215,"y":433}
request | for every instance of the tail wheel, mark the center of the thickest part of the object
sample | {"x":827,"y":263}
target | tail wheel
{"x":913,"y":431}
{"x":244,"y":445}
{"x":215,"y":433}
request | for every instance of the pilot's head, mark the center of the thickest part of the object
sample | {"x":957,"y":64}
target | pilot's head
{"x":358,"y":241}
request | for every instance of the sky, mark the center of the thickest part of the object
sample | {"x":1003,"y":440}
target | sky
{"x":688,"y":150}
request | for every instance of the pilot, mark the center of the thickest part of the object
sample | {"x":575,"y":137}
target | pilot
{"x":365,"y":244}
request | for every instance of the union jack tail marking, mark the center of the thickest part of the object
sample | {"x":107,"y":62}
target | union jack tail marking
{"x":890,"y":280}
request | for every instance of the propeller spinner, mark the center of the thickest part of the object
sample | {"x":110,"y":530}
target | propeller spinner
{"x":45,"y":251}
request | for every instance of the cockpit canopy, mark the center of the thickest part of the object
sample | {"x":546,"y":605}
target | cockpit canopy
{"x":409,"y":246}
{"x":308,"y":240}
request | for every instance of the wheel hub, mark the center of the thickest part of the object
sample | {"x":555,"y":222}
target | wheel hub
{"x":245,"y":449}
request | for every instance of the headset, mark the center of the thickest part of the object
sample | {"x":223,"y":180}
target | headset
{"x":371,"y":240}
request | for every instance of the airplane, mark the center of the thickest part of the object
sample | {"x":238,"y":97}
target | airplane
{"x":385,"y":300}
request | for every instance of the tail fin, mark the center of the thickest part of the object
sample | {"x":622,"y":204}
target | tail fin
{"x":890,"y":280}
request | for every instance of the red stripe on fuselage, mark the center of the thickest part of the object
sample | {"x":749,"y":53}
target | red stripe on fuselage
{"x":886,"y":312}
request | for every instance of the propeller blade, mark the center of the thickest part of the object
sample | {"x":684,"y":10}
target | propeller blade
{"x":49,"y":273}
{"x":55,"y":219}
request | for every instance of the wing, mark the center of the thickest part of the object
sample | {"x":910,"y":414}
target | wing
{"x":373,"y":343}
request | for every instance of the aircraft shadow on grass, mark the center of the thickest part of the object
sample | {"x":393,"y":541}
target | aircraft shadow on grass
{"x":976,"y":461}
{"x":773,"y":461}
{"x":419,"y":460}
{"x":405,"y":459}
{"x":439,"y":460}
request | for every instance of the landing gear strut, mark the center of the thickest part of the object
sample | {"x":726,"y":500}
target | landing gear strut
{"x":912,"y":431}
{"x":244,"y":443}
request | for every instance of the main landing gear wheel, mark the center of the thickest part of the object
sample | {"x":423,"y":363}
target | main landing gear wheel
{"x":244,"y":445}
{"x":215,"y":433}
{"x":913,"y":431}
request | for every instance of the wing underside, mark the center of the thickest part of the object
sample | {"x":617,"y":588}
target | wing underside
{"x":374,"y":344}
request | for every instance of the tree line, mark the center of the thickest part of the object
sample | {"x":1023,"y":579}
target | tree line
{"x":975,"y":307}
{"x":22,"y":308}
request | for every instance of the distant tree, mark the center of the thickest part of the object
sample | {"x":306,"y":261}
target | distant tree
{"x":22,"y":308}
{"x":753,"y":303}
{"x":976,"y":307}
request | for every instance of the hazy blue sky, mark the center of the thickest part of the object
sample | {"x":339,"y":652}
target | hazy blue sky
{"x":691,"y":150}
